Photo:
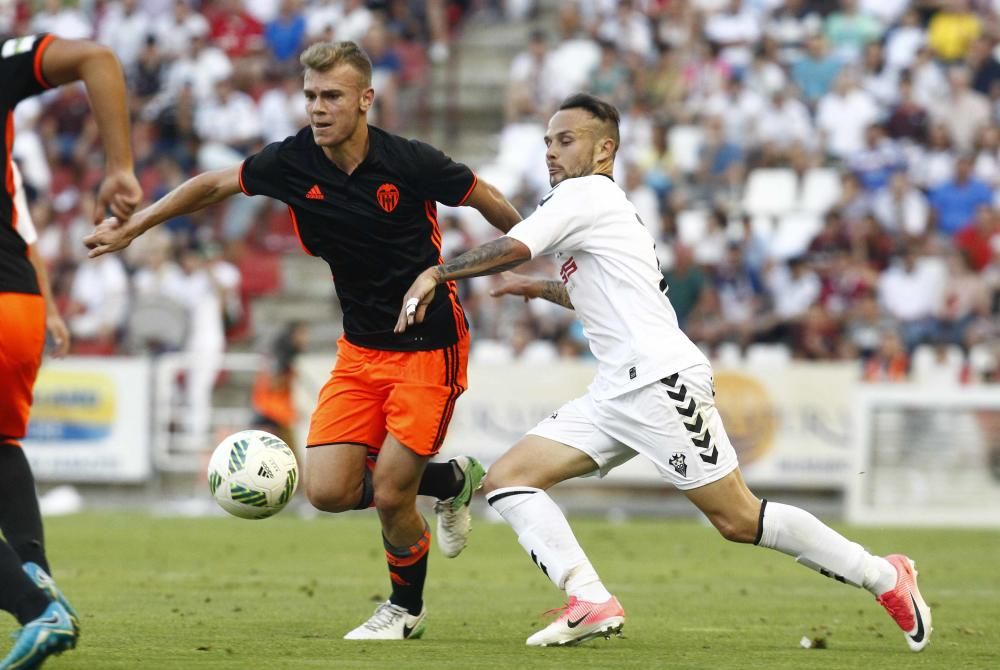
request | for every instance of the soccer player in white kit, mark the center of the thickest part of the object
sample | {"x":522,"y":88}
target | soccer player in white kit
{"x":653,"y":393}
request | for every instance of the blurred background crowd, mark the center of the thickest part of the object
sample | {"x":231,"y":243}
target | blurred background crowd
{"x":822,"y":177}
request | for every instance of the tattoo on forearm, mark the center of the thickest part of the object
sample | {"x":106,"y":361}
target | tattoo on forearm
{"x":491,"y":258}
{"x":555,"y":291}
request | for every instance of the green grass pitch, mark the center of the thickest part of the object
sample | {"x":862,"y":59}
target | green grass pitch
{"x":226,"y":593}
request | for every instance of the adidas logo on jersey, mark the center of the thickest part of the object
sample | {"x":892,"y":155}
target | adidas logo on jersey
{"x":314,"y":193}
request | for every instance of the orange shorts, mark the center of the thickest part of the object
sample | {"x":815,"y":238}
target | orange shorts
{"x":22,"y":338}
{"x":372,"y":393}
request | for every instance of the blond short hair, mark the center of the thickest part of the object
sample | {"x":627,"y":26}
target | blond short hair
{"x":324,"y":56}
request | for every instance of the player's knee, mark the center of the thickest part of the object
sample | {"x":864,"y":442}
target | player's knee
{"x":735,"y":528}
{"x":502,"y":475}
{"x":389,"y":500}
{"x":328,"y":499}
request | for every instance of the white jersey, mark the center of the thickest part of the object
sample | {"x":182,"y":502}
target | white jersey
{"x":609,"y":267}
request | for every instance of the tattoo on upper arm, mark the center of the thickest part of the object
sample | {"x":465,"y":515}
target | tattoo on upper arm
{"x":555,"y":291}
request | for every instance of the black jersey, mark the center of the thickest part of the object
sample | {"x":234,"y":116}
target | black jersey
{"x":20,"y":77}
{"x":377,"y":228}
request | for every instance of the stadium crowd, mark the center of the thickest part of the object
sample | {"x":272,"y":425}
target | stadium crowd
{"x":822,"y":177}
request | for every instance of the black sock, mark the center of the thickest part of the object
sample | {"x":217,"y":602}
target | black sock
{"x":442,"y":480}
{"x":18,"y":594}
{"x":20,"y":519}
{"x":408,"y":571}
{"x":367,"y":492}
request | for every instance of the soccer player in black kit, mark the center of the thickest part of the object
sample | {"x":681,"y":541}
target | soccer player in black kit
{"x":364,"y":201}
{"x":30,"y":65}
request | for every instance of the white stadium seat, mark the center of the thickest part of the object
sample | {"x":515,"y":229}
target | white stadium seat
{"x":820,"y":190}
{"x":794,"y":232}
{"x":770,"y":191}
{"x":691,"y":226}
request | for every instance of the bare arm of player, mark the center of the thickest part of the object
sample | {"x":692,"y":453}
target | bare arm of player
{"x":206,"y":189}
{"x":486,"y":259}
{"x":53,"y":321}
{"x":494,"y":207}
{"x":552,"y":290}
{"x":95,"y":65}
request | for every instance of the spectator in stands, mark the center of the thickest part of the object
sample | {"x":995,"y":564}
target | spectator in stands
{"x":964,"y":111}
{"x":210,"y":287}
{"x":790,"y":26}
{"x":929,"y":81}
{"x":910,"y":293}
{"x":665,"y":83}
{"x":62,"y":18}
{"x":965,"y":298}
{"x":200,"y":67}
{"x":629,"y":29}
{"x":890,"y":362}
{"x":843,"y":114}
{"x":685,"y":282}
{"x":984,"y":66}
{"x":817,"y":336}
{"x":609,"y":80}
{"x":531,"y":74}
{"x":740,"y":296}
{"x":280,"y":108}
{"x":229,"y":120}
{"x":977,"y":240}
{"x":784,"y":122}
{"x":904,"y":41}
{"x":987,"y":163}
{"x":815,"y":72}
{"x":146,"y":78}
{"x":865,"y":325}
{"x":850,"y":31}
{"x":871,"y":244}
{"x":720,"y":161}
{"x":234,"y":30}
{"x":955,"y":202}
{"x":879,"y":80}
{"x":764,"y":76}
{"x":286,"y":33}
{"x":953,"y":29}
{"x":907,"y":119}
{"x":735,"y":30}
{"x":124,"y":28}
{"x":386,"y":72}
{"x":832,"y":238}
{"x":878,"y":161}
{"x":933,"y":165}
{"x":174,"y":30}
{"x":901,"y":209}
{"x":793,"y":288}
{"x":271,"y":398}
{"x":574,"y":57}
{"x":98,"y":306}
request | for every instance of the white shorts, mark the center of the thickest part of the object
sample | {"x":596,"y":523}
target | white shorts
{"x":674,"y":423}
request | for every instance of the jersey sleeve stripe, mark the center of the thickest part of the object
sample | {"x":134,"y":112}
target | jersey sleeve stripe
{"x":295,"y":225}
{"x":475,"y":180}
{"x":244,"y":188}
{"x":39,"y":51}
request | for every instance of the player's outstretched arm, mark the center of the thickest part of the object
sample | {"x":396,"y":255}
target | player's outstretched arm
{"x":206,"y":189}
{"x":486,"y":259}
{"x":494,"y":207}
{"x":532,"y":287}
{"x":65,"y":61}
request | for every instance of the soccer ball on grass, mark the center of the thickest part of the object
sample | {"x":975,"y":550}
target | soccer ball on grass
{"x":252,"y":474}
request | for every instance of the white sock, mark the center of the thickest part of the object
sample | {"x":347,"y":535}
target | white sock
{"x":545,"y":534}
{"x":798,"y":533}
